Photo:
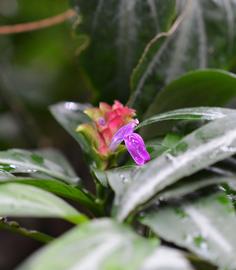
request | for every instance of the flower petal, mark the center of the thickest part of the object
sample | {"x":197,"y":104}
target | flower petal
{"x":104,"y":107}
{"x":136,"y":147}
{"x":120,"y":135}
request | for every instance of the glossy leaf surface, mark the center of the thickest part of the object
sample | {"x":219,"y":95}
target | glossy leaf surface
{"x":19,"y":200}
{"x":208,"y":87}
{"x":203,"y":36}
{"x":59,"y":188}
{"x":205,"y":146}
{"x":70,"y":115}
{"x":121,"y":41}
{"x":205,"y":226}
{"x":105,"y":244}
{"x":22,"y":161}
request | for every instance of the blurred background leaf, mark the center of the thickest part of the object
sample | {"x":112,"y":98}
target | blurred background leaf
{"x":38,"y":69}
{"x":205,"y":37}
{"x":119,"y":33}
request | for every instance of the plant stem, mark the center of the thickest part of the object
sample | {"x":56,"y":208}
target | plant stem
{"x":16,"y":228}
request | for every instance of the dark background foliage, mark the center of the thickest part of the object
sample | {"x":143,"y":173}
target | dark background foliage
{"x":37,"y":69}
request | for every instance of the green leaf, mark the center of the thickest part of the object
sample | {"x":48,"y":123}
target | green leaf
{"x":205,"y":226}
{"x":57,"y":157}
{"x":22,"y":161}
{"x":14,"y":227}
{"x":188,"y":186}
{"x":19,"y":200}
{"x":121,"y":41}
{"x":158,"y":146}
{"x":61,"y":189}
{"x":203,"y":147}
{"x":197,"y":40}
{"x":105,"y":244}
{"x":70,"y":115}
{"x":171,"y":139}
{"x":155,"y":148}
{"x":5,"y":174}
{"x":208,"y":87}
{"x":102,"y":244}
{"x":195,"y":113}
{"x":120,"y":178}
{"x":164,"y":122}
{"x":167,"y":258}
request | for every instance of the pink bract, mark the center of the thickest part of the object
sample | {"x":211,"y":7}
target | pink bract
{"x":107,"y":120}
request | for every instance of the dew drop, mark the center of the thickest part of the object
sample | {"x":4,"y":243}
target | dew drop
{"x":228,"y":149}
{"x":31,"y":171}
{"x":170,"y":157}
{"x":71,"y":106}
{"x":7,"y":168}
{"x":124,"y":179}
{"x":75,"y":179}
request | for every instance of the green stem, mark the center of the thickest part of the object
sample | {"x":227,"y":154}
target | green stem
{"x":13,"y":226}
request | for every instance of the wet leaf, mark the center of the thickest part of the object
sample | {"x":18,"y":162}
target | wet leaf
{"x":70,"y":115}
{"x":19,"y":200}
{"x":59,"y":188}
{"x":105,"y":244}
{"x":208,"y":87}
{"x":57,"y":157}
{"x":203,"y":147}
{"x":190,"y":118}
{"x":193,"y":184}
{"x":101,"y":244}
{"x":4,"y":173}
{"x":195,"y":113}
{"x":167,"y":258}
{"x":119,"y":180}
{"x":121,"y":41}
{"x":22,"y":161}
{"x":205,"y":38}
{"x":205,"y":226}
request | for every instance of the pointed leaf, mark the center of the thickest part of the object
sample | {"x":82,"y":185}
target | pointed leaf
{"x":19,"y":200}
{"x":205,"y":146}
{"x":59,"y":188}
{"x":121,"y":41}
{"x":199,"y":40}
{"x":203,"y":85}
{"x":101,"y":244}
{"x":70,"y":115}
{"x":22,"y":161}
{"x":57,"y":157}
{"x":188,"y":186}
{"x":205,"y":226}
{"x":195,"y":113}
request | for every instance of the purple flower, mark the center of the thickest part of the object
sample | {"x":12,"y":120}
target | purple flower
{"x":133,"y":142}
{"x":136,"y":147}
{"x":124,"y":131}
